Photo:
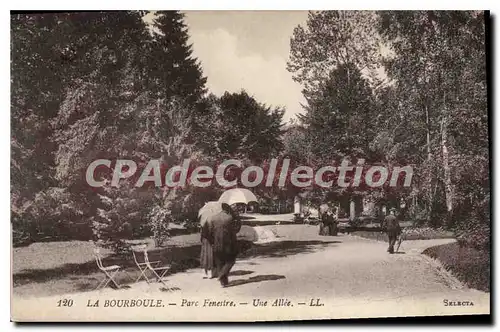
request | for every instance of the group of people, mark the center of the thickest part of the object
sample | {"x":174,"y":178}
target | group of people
{"x":328,"y":225}
{"x":219,"y":245}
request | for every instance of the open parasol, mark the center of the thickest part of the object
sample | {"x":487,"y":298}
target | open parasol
{"x":237,"y":195}
{"x":208,"y":210}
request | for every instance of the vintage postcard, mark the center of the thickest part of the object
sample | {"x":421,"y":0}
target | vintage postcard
{"x":243,"y":166}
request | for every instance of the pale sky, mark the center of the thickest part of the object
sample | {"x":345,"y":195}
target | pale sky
{"x":248,"y":50}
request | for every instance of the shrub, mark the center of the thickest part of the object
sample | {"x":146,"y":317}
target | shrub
{"x":159,"y":220}
{"x":21,"y":234}
{"x":467,"y":264}
{"x":473,"y":229}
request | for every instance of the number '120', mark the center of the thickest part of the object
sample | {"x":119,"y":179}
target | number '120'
{"x":65,"y":303}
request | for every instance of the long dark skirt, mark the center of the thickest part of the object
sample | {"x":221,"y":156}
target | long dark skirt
{"x":324,"y":229}
{"x":224,"y":264}
{"x":334,"y":230}
{"x":207,"y":257}
{"x":225,"y":250}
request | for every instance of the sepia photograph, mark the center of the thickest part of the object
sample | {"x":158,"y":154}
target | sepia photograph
{"x":249,"y":166}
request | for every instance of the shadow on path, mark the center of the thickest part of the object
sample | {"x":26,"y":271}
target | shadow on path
{"x":259,"y":278}
{"x":240,"y":272}
{"x":285,"y":248}
{"x":169,"y":289}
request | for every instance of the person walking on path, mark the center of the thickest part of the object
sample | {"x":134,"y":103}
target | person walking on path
{"x":205,"y":217}
{"x":223,"y":232}
{"x":392,"y":228}
{"x":220,"y":225}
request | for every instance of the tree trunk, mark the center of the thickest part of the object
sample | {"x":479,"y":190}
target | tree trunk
{"x":446,"y":167}
{"x":427,"y":125}
{"x":430,"y":196}
{"x":296,"y":205}
{"x":352,"y":209}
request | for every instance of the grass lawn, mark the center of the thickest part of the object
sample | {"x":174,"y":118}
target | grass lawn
{"x":419,"y":234}
{"x":257,"y":219}
{"x":52,"y":255}
{"x":468,"y":265}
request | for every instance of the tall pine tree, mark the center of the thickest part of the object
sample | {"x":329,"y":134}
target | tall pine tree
{"x":172,"y":69}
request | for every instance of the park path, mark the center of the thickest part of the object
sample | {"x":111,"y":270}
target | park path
{"x":323,"y":278}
